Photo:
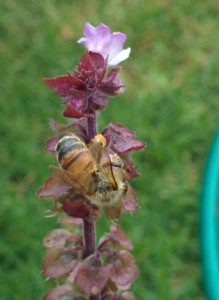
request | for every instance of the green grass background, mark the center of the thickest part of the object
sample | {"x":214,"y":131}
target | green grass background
{"x":171,"y":102}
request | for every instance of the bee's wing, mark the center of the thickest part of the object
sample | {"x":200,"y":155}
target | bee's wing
{"x":103,"y":161}
{"x":73,"y":179}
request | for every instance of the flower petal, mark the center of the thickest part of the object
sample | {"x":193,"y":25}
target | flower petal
{"x":97,"y":39}
{"x":121,"y":56}
{"x":101,"y":40}
{"x":117,"y":41}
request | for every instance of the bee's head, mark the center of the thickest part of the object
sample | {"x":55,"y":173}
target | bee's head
{"x":100,"y":139}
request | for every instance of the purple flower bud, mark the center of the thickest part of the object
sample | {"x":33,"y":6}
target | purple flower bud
{"x":109,"y":44}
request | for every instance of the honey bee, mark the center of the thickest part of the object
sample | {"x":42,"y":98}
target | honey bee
{"x":92,"y":173}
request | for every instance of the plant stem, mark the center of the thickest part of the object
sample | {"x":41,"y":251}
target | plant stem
{"x":91,"y":126}
{"x":89,"y":233}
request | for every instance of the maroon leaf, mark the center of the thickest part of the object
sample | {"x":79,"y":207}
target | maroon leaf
{"x":130,"y":202}
{"x":72,"y":112}
{"x":60,"y":85}
{"x":56,"y":125}
{"x":127,"y":296}
{"x":91,"y":69}
{"x":71,"y":221}
{"x":56,"y":237}
{"x":58,"y":261}
{"x":99,"y":65}
{"x":111,"y":296}
{"x":51,"y":144}
{"x":60,"y":237}
{"x":62,"y":292}
{"x":85,"y":69}
{"x":53,"y":187}
{"x":77,"y":83}
{"x":112,"y":85}
{"x":123,"y":268}
{"x":116,"y":236}
{"x":123,"y":296}
{"x":123,"y":145}
{"x":119,"y":236}
{"x":77,"y":98}
{"x":116,"y":128}
{"x":92,"y":275}
{"x":129,"y":165}
{"x":78,"y":126}
{"x":72,"y":275}
{"x":122,"y":139}
{"x":99,"y":100}
{"x":76,"y":208}
{"x":113,"y":74}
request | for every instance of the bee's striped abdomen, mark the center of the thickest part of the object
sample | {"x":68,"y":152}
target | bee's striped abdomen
{"x":66,"y":145}
{"x":73,"y":154}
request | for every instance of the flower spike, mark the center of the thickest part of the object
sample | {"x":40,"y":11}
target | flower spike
{"x":92,"y":175}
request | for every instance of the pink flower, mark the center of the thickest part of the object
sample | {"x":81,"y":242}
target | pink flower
{"x":109,"y":44}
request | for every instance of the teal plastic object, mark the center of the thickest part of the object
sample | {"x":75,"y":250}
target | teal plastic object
{"x":209,"y":223}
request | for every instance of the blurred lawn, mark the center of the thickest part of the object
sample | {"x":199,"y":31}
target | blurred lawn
{"x":171,"y":102}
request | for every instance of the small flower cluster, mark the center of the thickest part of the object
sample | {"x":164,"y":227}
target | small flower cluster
{"x":83,"y":269}
{"x":87,"y":89}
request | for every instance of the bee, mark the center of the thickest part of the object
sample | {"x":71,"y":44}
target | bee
{"x":92,"y":173}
